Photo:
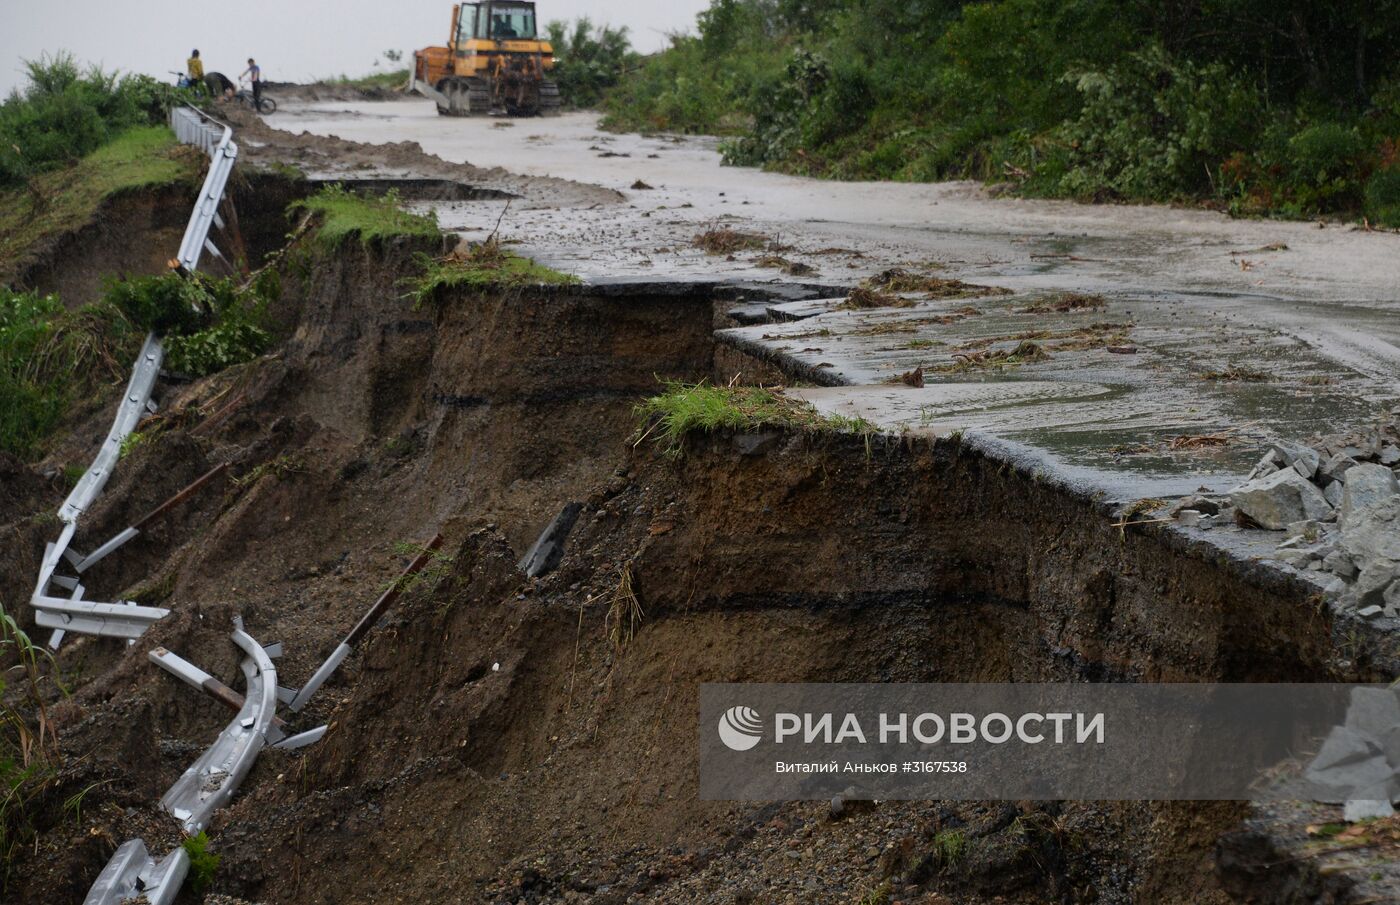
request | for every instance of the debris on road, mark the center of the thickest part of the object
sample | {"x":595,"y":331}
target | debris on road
{"x":1339,"y":500}
{"x":726,"y":241}
{"x":1066,"y":302}
{"x":898,"y":280}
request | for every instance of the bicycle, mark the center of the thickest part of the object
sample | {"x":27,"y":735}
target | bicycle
{"x":245,"y":96}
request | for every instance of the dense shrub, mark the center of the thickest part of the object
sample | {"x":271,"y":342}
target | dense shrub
{"x":588,"y":60}
{"x":1153,"y":127}
{"x":1266,"y":108}
{"x":207,"y":324}
{"x":66,"y":112}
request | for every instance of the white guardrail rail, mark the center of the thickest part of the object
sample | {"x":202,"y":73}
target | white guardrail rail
{"x":133,"y":874}
{"x":58,"y":599}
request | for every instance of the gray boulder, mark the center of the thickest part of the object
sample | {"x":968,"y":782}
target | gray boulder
{"x":1339,"y":563}
{"x":1366,"y":485}
{"x":1304,"y":459}
{"x":1373,"y":532}
{"x":1336,"y":467}
{"x":1275,"y":501}
{"x":1371,"y":808}
{"x":1370,"y":587}
{"x":1373,"y":711}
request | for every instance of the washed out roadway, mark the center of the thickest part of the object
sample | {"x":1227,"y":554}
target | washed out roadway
{"x":1313,"y":308}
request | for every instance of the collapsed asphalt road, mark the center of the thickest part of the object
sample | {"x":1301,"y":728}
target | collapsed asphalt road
{"x":467,"y":757}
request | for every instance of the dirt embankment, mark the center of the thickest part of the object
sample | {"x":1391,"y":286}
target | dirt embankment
{"x":500,"y":739}
{"x":134,"y":233}
{"x":329,"y":157}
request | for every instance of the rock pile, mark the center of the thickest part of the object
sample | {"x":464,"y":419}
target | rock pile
{"x":1338,"y":499}
{"x":1358,"y":762}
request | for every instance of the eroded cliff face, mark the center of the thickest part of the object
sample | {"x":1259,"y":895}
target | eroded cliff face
{"x":500,"y":738}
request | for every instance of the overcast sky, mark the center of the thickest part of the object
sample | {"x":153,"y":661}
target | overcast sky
{"x":293,"y":40}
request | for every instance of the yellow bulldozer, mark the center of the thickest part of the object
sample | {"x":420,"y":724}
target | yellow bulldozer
{"x":494,"y":63}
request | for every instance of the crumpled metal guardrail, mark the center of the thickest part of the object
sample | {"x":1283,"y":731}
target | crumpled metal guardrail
{"x":132,"y":872}
{"x":194,"y":127}
{"x":209,"y":783}
{"x":71,"y":612}
{"x":58,"y":599}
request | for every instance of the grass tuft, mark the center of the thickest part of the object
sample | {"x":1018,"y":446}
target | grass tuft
{"x":480,"y":268}
{"x":28,"y":743}
{"x":625,"y":613}
{"x":683,"y":408}
{"x":61,"y":201}
{"x":345,"y":215}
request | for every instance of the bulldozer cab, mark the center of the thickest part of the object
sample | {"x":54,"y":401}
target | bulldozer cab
{"x":496,"y":21}
{"x":495,"y":62}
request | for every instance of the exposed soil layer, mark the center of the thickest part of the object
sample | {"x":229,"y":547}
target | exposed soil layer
{"x":497,"y":739}
{"x":131,"y":235}
{"x":135,"y":234}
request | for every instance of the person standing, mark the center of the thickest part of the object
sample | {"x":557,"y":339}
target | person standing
{"x":254,"y":75}
{"x":194,"y":71}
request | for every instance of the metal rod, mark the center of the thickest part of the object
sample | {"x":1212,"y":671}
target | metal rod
{"x":180,"y":497}
{"x":388,"y":597}
{"x":367,"y":621}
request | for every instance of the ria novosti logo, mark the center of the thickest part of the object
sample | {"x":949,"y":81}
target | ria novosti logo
{"x":740,"y":728}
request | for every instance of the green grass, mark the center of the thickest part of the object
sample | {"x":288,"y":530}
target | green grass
{"x":203,"y":863}
{"x":28,"y":745}
{"x":50,"y":358}
{"x":683,"y":408}
{"x":480,"y":268}
{"x":60,"y":201}
{"x":345,"y":215}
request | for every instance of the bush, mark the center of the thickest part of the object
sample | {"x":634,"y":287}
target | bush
{"x":203,"y":863}
{"x":65,"y":113}
{"x":1324,"y":166}
{"x":1383,"y":197}
{"x":166,"y":304}
{"x":1153,"y":127}
{"x":589,"y":60}
{"x":207,"y":324}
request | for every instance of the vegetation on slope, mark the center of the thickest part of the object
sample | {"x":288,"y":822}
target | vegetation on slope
{"x":65,"y":113}
{"x":28,"y":744}
{"x":1256,"y":107}
{"x":682,"y":408}
{"x":480,"y":268}
{"x":344,"y":215}
{"x":52,"y":358}
{"x":60,"y":201}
